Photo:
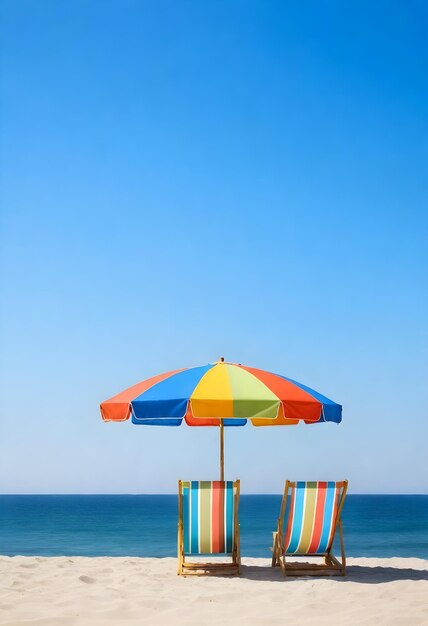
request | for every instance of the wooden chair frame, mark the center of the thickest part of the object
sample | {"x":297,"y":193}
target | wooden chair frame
{"x":332,"y":566}
{"x":186,"y":568}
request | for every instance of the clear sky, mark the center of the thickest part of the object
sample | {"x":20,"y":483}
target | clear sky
{"x":184,"y":180}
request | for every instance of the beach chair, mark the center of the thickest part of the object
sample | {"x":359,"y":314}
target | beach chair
{"x":310,"y":514}
{"x":208,"y":525}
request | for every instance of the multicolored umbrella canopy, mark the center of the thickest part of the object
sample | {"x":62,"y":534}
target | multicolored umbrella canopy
{"x":220,"y":394}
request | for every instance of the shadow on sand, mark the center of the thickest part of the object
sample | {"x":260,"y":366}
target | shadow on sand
{"x":355,"y":573}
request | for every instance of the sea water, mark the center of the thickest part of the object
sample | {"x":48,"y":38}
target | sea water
{"x":146,"y":525}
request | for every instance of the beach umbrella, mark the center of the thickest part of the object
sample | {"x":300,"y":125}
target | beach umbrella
{"x":220,"y":394}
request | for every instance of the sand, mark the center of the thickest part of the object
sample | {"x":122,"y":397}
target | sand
{"x":77,"y":591}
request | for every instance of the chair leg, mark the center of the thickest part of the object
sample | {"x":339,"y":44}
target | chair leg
{"x":274,"y":549}
{"x":278,"y":558}
{"x":180,"y":564}
{"x":180,"y":550}
{"x":239,"y":553}
{"x":236,"y":556}
{"x":331,"y":560}
{"x":342,"y":548}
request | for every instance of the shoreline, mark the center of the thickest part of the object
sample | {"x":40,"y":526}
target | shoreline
{"x":101,"y":591}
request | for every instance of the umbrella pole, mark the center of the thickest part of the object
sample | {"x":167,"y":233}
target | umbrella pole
{"x":221,"y":450}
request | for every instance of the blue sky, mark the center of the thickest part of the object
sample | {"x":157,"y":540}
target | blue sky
{"x":184,"y":180}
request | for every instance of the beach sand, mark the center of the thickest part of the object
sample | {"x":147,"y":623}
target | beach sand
{"x":69,"y":591}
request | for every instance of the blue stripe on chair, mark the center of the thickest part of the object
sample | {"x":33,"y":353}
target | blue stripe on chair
{"x":328,"y":512}
{"x":186,"y":528}
{"x":194,"y":523}
{"x":298,"y":517}
{"x":229,"y":516}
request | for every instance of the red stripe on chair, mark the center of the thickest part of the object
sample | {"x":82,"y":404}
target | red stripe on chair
{"x":217,"y":526}
{"x":319,"y":517}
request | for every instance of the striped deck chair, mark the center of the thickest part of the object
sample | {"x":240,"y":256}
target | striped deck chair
{"x":208,"y":525}
{"x":311,"y":515}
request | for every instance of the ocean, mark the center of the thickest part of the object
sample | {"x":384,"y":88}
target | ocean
{"x":146,"y":525}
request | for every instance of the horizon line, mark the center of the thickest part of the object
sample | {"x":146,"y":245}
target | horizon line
{"x":175,"y":494}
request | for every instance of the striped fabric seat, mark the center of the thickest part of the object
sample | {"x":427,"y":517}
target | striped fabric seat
{"x":312,"y":518}
{"x":208,"y":517}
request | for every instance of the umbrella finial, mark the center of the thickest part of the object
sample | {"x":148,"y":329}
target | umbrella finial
{"x":221,"y":359}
